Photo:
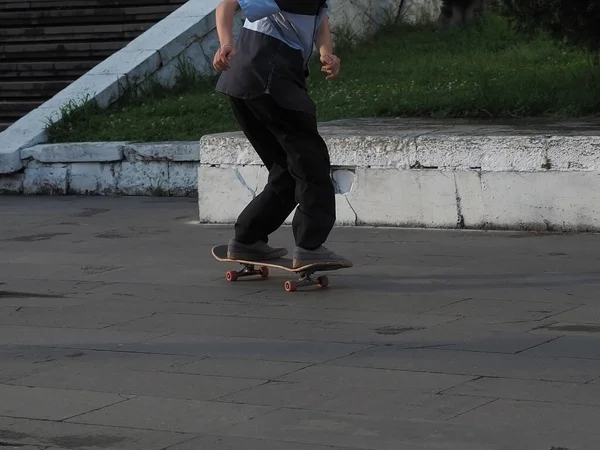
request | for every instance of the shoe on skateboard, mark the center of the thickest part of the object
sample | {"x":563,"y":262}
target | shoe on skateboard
{"x":321,"y":255}
{"x":259,"y":251}
{"x":306,"y":271}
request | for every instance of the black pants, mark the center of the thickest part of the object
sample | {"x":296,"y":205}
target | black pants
{"x":297,"y":158}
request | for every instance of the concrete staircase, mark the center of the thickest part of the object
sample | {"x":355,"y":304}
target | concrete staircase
{"x":47,"y":44}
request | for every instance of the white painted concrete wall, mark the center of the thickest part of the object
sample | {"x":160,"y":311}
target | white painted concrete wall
{"x":107,"y":168}
{"x":431,"y":174}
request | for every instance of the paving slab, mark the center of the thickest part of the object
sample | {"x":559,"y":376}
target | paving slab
{"x":58,"y":404}
{"x":232,"y":367}
{"x":169,"y":414}
{"x":118,"y":331}
{"x":109,"y":378}
{"x":273,"y":328}
{"x":298,"y":312}
{"x":85,"y":317}
{"x":532,"y":390}
{"x":583,"y":347}
{"x":46,"y":435}
{"x":498,"y":309}
{"x":566,"y":426}
{"x":377,"y":433}
{"x":245,"y":348}
{"x":40,"y":292}
{"x":69,"y":337}
{"x":233,"y":443}
{"x":325,"y":374}
{"x":478,"y":364}
{"x":404,"y":401}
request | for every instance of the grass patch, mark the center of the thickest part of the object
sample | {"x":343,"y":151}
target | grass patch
{"x":487,"y":70}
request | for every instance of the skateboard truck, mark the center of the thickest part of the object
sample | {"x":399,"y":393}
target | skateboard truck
{"x":248,"y":271}
{"x":305,"y":278}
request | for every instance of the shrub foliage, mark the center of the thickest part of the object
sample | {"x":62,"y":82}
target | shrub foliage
{"x":576,"y":22}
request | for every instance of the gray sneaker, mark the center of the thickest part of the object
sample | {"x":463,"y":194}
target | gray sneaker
{"x":303,"y":257}
{"x":259,"y":251}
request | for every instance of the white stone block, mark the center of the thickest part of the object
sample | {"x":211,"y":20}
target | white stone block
{"x":344,"y":213}
{"x":203,"y":53}
{"x":75,"y":152}
{"x":424,"y":198}
{"x":48,"y":179}
{"x":135,"y":65}
{"x":12,"y":183}
{"x":227,"y":149}
{"x":469,"y":198}
{"x":375,"y":151}
{"x":223,"y":192}
{"x":574,"y":153}
{"x":162,"y":151}
{"x":519,"y":153}
{"x":142,"y":178}
{"x":167,"y":74}
{"x":566,"y":200}
{"x":10,"y":160}
{"x":183,"y":179}
{"x":27,"y":131}
{"x":290,"y":218}
{"x":172,"y":35}
{"x":92,"y":179}
{"x":105,"y":89}
{"x":196,"y":8}
{"x":228,"y":190}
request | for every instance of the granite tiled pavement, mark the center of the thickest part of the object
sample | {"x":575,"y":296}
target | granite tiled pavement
{"x":118,"y":331}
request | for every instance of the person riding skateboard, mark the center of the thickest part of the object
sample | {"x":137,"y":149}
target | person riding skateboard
{"x":264,"y":76}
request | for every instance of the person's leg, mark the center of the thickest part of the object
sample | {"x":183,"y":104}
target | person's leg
{"x":309,"y":166}
{"x":269,"y":209}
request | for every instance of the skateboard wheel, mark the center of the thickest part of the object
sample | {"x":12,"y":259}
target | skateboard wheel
{"x":290,"y":286}
{"x":264,"y":271}
{"x":231,"y":275}
{"x":323,"y":282}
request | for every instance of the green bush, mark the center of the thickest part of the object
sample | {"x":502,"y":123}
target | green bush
{"x":576,"y":22}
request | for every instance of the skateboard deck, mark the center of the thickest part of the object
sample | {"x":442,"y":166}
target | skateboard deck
{"x":220,"y":254}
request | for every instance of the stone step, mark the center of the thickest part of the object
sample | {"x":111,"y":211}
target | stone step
{"x":22,"y":52}
{"x":16,"y":110}
{"x":14,"y":71}
{"x":20,"y":5}
{"x":69,"y":33}
{"x":28,"y":18}
{"x":30,"y":90}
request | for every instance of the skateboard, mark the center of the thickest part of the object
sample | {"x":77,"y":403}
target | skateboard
{"x":305,"y":273}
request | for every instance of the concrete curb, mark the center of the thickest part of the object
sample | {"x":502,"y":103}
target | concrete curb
{"x":426,"y":173}
{"x":396,"y":172}
{"x":106,"y":168}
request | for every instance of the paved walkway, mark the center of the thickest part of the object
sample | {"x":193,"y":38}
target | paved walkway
{"x":118,"y":331}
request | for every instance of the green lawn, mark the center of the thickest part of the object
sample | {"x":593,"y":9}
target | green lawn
{"x":484,"y":71}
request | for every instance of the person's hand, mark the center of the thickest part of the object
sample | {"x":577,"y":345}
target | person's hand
{"x":331,"y":65}
{"x":223,"y":56}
